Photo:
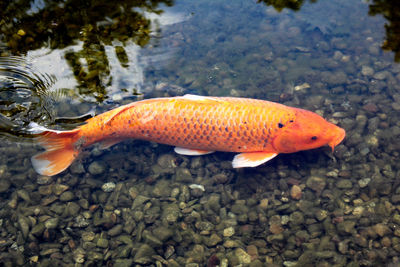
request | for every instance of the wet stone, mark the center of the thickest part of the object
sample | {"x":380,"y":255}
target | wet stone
{"x":51,"y":223}
{"x":163,"y":233}
{"x":102,"y":243}
{"x":183,"y":175}
{"x":167,"y":161}
{"x":144,"y":254}
{"x":58,"y":189}
{"x":381,"y":229}
{"x":316,"y":183}
{"x":96,"y":168}
{"x":213,"y":240}
{"x":296,"y":218}
{"x":344,"y":184}
{"x":108,"y":187}
{"x":295,"y":192}
{"x":228,"y":232}
{"x":364,"y":182}
{"x":367,"y":71}
{"x":346,"y":227}
{"x":242,"y":256}
{"x":67,"y":196}
{"x":4,"y":185}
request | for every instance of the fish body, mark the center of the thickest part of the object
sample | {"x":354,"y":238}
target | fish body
{"x":257,"y":129}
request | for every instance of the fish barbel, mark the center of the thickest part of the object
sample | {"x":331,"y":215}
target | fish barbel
{"x":259,"y":130}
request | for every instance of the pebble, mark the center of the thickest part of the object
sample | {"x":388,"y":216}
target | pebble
{"x":364,"y":182}
{"x":242,"y":256}
{"x":295,"y":192}
{"x":228,"y":232}
{"x":344,"y":184}
{"x":108,"y":187}
{"x":367,"y":71}
{"x":96,"y":168}
{"x":316,"y":183}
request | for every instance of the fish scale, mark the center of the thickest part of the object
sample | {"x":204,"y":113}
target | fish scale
{"x":195,"y":125}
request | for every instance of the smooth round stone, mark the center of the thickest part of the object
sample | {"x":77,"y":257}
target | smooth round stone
{"x":108,"y":187}
{"x":95,"y":168}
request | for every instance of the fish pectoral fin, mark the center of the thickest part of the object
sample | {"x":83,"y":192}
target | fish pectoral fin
{"x":252,"y":159}
{"x":191,"y":152}
{"x":110,"y":142}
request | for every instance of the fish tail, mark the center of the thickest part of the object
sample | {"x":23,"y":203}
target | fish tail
{"x":61,"y":149}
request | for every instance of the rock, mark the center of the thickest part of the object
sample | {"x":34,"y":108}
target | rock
{"x":139,"y":201}
{"x":183,"y":175}
{"x":213,"y":203}
{"x":171,"y":213}
{"x":344,"y":184}
{"x":38,"y":229}
{"x":242,"y":256}
{"x":346,"y":227}
{"x":213,"y":240}
{"x":364,"y":182}
{"x":295,"y":192}
{"x":96,"y":168}
{"x":108,"y":187}
{"x":381,"y":229}
{"x":51,"y":223}
{"x":316,"y":183}
{"x":296,"y":218}
{"x":161,"y":189}
{"x":367,"y":71}
{"x":4,"y":185}
{"x":197,"y":253}
{"x":151,"y":239}
{"x":102,"y":242}
{"x":88,"y":236}
{"x":123,"y":263}
{"x":167,"y":161}
{"x":58,"y":189}
{"x":228,"y":232}
{"x":320,"y":215}
{"x":163,"y":233}
{"x":116,"y":230}
{"x":264,"y":203}
{"x":67,"y":196}
{"x":23,"y":223}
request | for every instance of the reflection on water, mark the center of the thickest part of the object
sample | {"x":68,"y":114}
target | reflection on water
{"x":139,"y":203}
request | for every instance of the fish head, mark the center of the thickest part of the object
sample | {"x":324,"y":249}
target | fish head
{"x":307,"y":131}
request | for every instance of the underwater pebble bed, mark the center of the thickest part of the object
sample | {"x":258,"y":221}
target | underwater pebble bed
{"x":139,"y":204}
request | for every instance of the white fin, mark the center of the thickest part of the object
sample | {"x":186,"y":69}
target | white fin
{"x":252,"y":159}
{"x":191,"y":152}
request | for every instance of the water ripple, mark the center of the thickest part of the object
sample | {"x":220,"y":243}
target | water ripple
{"x":24,"y":95}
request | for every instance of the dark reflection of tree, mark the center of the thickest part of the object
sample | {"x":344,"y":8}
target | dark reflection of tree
{"x":281,"y":4}
{"x":60,"y":23}
{"x":390,"y":9}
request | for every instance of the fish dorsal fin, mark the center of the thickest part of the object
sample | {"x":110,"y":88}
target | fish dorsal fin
{"x":202,"y":99}
{"x":252,"y":159}
{"x":115,"y":112}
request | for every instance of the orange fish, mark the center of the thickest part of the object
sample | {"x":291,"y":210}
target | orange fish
{"x":196,"y":125}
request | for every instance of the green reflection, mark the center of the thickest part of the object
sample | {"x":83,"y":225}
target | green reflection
{"x":390,"y":9}
{"x":29,"y":25}
{"x":281,"y":4}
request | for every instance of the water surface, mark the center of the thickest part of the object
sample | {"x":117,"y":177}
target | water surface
{"x":138,"y":202}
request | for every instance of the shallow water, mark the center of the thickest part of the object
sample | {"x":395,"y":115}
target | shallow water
{"x":138,"y":202}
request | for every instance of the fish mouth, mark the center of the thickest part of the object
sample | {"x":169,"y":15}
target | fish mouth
{"x":338,"y":138}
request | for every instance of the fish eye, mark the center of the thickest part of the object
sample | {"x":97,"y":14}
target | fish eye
{"x":314,"y":138}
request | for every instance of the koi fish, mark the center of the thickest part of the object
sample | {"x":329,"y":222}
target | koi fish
{"x":196,"y":125}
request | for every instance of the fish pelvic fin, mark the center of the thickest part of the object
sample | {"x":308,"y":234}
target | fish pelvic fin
{"x":62,"y":147}
{"x":252,"y":159}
